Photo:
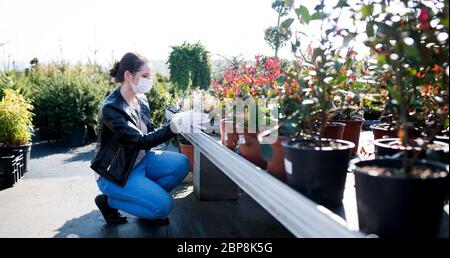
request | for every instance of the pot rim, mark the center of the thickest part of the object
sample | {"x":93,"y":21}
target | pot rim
{"x":353,"y":167}
{"x":444,"y":137}
{"x":335,"y":124}
{"x":379,"y":127}
{"x":8,"y":146}
{"x":227,"y":119}
{"x":350,"y":121}
{"x":349,"y":145}
{"x":380,"y":143}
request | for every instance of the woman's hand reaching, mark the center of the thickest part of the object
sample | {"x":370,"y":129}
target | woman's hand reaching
{"x":184,"y":121}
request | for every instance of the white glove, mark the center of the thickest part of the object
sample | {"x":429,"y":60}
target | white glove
{"x":171,"y":111}
{"x":185,"y":121}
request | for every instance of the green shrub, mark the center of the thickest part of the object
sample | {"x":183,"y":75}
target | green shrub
{"x":160,"y":96}
{"x":16,"y":80}
{"x":15,"y":118}
{"x":65,"y":97}
{"x":190,"y":66}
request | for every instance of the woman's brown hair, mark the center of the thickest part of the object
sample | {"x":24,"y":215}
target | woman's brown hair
{"x":131,"y":62}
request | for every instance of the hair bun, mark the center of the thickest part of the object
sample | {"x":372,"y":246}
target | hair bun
{"x":114,"y":69}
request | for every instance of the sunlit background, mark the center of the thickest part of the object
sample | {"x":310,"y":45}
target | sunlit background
{"x":101,"y":31}
{"x":79,"y":30}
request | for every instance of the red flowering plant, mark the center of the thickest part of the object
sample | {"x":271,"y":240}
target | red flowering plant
{"x":410,"y":45}
{"x":243,"y":81}
{"x":288,"y":95}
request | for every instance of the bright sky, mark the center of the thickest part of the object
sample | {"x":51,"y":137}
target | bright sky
{"x":73,"y":29}
{"x":76,"y":30}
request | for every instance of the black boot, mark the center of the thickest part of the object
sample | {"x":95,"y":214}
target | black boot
{"x":111,"y":215}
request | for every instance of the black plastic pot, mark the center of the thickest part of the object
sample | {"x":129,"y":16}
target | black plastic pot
{"x":91,"y":135}
{"x":400,"y":206}
{"x":318,"y":174}
{"x":372,"y":115}
{"x":384,"y":147}
{"x":75,"y":136}
{"x":11,"y":166}
{"x":26,"y":148}
{"x":367,"y":124}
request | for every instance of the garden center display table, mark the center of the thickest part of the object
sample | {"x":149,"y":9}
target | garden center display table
{"x":220,"y":174}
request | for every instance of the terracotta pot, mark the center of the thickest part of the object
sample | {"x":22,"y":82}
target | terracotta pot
{"x":188,"y":151}
{"x":384,"y":131}
{"x":333,"y":130}
{"x":352,"y":132}
{"x":251,"y":151}
{"x":380,"y":132}
{"x":275,"y":166}
{"x":228,"y":139}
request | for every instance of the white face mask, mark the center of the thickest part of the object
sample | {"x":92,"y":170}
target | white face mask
{"x":144,"y":85}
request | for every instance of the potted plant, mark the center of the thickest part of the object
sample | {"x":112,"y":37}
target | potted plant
{"x":372,"y":106}
{"x":286,"y":92}
{"x":227,"y":123}
{"x":389,"y":126}
{"x":306,"y":170}
{"x":187,"y":149}
{"x":350,"y":84}
{"x":349,"y":113}
{"x":405,"y":196}
{"x":242,"y":83}
{"x":200,"y":101}
{"x":15,"y":126}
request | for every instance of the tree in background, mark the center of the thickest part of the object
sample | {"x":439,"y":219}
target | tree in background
{"x":190,"y":66}
{"x":278,"y":36}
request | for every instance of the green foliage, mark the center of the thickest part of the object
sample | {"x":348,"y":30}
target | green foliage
{"x":411,"y":55}
{"x":319,"y":73}
{"x":190,"y":66}
{"x":16,"y":80}
{"x":66,"y":96}
{"x":160,"y":96}
{"x":372,"y":105}
{"x":15,"y":118}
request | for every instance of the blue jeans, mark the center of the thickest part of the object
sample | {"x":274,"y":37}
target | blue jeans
{"x":146,"y":193}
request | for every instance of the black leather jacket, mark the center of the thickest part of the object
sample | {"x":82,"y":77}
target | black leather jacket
{"x":119,"y":139}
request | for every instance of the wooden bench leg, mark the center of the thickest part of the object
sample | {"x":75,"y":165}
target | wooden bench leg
{"x":210,"y":183}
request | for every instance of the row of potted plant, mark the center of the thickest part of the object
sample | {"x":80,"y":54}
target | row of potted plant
{"x":320,"y":97}
{"x":65,"y":98}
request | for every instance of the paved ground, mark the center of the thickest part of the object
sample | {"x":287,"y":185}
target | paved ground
{"x":55,"y":199}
